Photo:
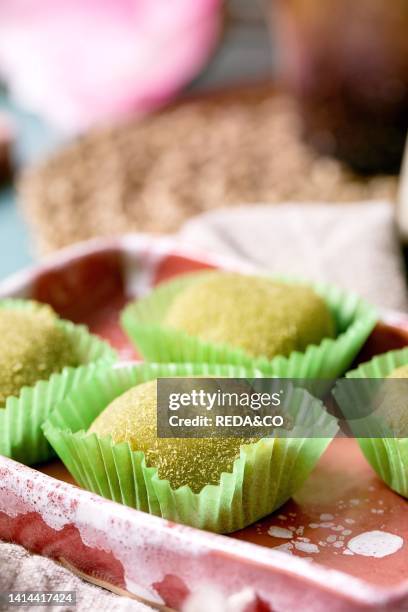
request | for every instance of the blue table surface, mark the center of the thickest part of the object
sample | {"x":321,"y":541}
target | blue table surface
{"x":34,"y":140}
{"x":15,"y":251}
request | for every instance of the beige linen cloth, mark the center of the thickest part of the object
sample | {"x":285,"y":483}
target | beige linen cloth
{"x":21,"y":571}
{"x":352,"y":245}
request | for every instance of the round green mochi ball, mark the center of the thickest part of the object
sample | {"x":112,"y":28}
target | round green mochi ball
{"x":257,"y":314}
{"x":196,"y":462}
{"x":33,"y":346}
{"x":393,"y":409}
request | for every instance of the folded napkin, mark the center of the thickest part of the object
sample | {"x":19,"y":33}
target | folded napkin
{"x":352,"y":245}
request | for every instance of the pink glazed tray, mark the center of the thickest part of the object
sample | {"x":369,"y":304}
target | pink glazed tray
{"x":162,"y":563}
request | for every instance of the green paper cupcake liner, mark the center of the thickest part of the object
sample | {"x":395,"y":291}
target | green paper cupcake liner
{"x":264,"y":476}
{"x":388,"y":455}
{"x":21,"y":435}
{"x":354,"y":318}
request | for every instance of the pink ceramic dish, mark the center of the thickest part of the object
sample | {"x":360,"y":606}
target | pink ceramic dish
{"x":314,"y":568}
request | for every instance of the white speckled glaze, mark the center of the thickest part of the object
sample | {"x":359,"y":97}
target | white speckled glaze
{"x":148,"y":548}
{"x":201,"y":557}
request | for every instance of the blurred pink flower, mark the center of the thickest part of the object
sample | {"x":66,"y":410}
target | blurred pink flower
{"x":210,"y":598}
{"x":78,"y":62}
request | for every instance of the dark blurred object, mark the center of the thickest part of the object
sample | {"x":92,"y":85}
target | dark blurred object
{"x":219,"y":150}
{"x":347,"y":63}
{"x":244,"y":53}
{"x":6,"y":144}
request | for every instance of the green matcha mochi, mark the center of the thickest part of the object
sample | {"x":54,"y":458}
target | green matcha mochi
{"x":393,"y":410}
{"x":196,"y":462}
{"x":257,"y":314}
{"x":33,"y":346}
